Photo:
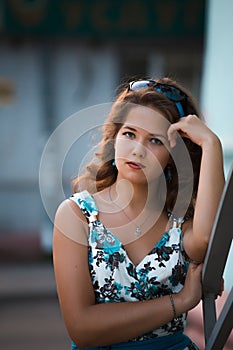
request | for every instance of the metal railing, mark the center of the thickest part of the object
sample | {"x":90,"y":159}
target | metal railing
{"x":217,"y":330}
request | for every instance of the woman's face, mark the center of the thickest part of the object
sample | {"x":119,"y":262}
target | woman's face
{"x":141,"y":145}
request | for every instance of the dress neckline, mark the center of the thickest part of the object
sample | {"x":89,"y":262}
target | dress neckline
{"x":93,"y":211}
{"x":116,"y":242}
{"x":163,"y":239}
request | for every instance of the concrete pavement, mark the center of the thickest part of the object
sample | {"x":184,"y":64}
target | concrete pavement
{"x":30,"y":317}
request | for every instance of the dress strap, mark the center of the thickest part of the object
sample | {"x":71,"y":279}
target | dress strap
{"x":87,"y":204}
{"x":175,"y":221}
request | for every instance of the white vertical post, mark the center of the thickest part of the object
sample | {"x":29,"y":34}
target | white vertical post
{"x":217,"y":84}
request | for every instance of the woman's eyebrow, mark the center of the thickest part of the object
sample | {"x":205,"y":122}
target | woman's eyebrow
{"x":128,"y":127}
{"x":158,"y":135}
{"x":151,"y":134}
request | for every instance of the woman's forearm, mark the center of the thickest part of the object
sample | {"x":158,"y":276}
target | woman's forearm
{"x":103,"y":324}
{"x":110,"y":323}
{"x":211,"y":184}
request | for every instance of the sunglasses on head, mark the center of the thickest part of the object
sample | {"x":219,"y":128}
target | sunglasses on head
{"x":171,"y":92}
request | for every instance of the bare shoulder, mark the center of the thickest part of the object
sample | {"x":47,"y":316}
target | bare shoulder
{"x":71,"y":209}
{"x":70,"y":221}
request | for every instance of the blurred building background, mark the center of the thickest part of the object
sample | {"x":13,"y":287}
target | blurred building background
{"x":60,"y":57}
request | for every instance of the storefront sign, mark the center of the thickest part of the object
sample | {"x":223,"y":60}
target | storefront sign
{"x":105,"y":18}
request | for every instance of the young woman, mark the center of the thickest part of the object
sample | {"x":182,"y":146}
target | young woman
{"x":129,"y":244}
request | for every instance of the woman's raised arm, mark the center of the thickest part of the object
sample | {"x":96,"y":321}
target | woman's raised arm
{"x":211,"y":183}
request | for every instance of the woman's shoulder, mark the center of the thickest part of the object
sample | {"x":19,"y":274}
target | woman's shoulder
{"x":68,"y":209}
{"x":70,"y":221}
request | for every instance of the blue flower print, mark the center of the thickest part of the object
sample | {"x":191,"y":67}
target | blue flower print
{"x":104,"y":239}
{"x":164,"y":239}
{"x":86,"y":201}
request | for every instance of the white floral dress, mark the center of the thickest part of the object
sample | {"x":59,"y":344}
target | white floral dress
{"x":116,"y":279}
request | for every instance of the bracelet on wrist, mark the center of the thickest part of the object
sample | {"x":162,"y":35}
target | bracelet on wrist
{"x":173,"y":307}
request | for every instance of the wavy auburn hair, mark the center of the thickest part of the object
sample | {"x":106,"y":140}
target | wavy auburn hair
{"x":100,"y":173}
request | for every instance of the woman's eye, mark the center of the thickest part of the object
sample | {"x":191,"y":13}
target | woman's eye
{"x":156,"y":141}
{"x":129,"y":134}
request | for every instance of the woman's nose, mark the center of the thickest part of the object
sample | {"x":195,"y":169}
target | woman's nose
{"x":139,"y":149}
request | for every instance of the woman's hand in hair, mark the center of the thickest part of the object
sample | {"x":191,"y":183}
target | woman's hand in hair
{"x":192,"y":128}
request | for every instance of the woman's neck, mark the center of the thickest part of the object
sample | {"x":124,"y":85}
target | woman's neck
{"x":136,"y":197}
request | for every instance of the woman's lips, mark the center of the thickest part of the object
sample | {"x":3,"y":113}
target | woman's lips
{"x":134,"y":165}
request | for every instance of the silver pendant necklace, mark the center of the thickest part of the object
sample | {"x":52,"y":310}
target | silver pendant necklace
{"x":138,"y":230}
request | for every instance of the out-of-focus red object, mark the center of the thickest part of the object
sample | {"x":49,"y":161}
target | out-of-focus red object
{"x":195,"y":327}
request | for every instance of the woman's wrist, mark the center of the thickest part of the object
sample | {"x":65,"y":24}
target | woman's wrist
{"x":211,"y":142}
{"x":181,"y":303}
{"x":175,"y":318}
